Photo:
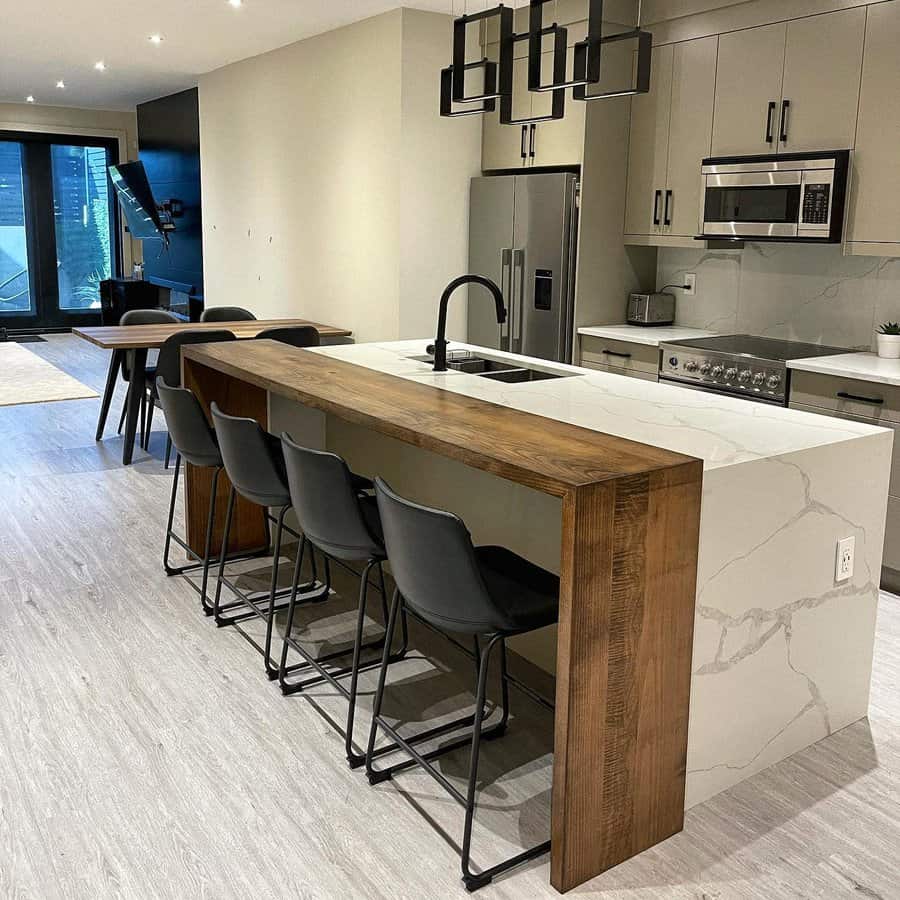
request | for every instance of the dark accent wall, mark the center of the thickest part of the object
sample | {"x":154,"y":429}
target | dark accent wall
{"x":169,"y":144}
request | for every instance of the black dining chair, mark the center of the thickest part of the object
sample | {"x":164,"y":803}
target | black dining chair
{"x":139,"y":317}
{"x":295,"y":335}
{"x":489,"y":593}
{"x":168,"y":369}
{"x":339,"y":517}
{"x":227,"y":314}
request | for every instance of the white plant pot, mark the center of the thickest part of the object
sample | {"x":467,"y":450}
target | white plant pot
{"x":888,"y":346}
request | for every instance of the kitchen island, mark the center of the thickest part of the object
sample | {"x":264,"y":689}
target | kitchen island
{"x":702,"y":633}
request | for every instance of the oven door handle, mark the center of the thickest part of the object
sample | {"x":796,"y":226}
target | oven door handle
{"x":616,"y":353}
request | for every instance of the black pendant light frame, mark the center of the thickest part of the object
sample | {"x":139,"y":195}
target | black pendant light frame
{"x":591,"y":50}
{"x":490,"y":81}
{"x":558,"y":105}
{"x":497,"y":79}
{"x":642,"y":75}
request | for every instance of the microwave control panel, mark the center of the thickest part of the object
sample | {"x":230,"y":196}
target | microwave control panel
{"x":815,"y":204}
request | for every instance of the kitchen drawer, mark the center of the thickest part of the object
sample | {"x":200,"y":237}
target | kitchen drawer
{"x":616,"y":370}
{"x":894,"y":489}
{"x":607,"y":352}
{"x":866,"y":400}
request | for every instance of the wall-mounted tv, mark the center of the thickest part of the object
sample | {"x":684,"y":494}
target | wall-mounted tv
{"x":136,"y":199}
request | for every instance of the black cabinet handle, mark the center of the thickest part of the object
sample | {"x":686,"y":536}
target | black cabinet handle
{"x":769,"y":136}
{"x":656,"y":198}
{"x":875,"y":401}
{"x":667,"y":219}
{"x":531,"y":142}
{"x":523,"y":151}
{"x":785,"y":106}
{"x":616,"y":353}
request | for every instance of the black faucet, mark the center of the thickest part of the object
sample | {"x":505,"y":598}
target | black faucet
{"x":440,"y":342}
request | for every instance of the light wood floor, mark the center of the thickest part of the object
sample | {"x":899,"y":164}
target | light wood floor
{"x":144,"y":755}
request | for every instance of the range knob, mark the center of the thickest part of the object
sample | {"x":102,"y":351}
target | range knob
{"x":704,"y":369}
{"x":730,"y":373}
{"x":773,"y":381}
{"x":717,"y":371}
{"x":758,"y":379}
{"x":745,"y":376}
{"x":690,"y":366}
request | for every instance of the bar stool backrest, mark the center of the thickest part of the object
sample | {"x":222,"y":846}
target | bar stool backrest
{"x":296,"y":336}
{"x":168,"y":366}
{"x":190,"y":431}
{"x":144,"y":317}
{"x":253,"y":459}
{"x":326,"y":504}
{"x":434,"y":565}
{"x":227,"y":314}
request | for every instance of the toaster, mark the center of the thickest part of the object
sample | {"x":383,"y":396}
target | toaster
{"x":651,"y":309}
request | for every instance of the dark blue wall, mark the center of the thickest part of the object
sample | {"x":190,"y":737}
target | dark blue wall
{"x":169,"y":144}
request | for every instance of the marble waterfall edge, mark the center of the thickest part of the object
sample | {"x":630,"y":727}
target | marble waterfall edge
{"x":782,"y":652}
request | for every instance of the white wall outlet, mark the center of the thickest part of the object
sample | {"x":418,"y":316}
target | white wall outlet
{"x":843,"y":566}
{"x":690,"y":285}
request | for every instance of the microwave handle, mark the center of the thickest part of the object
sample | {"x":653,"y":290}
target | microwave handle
{"x":770,"y":137}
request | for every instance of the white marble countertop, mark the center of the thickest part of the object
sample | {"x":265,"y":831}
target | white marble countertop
{"x":722,"y":431}
{"x":864,"y":366}
{"x":650,"y":335}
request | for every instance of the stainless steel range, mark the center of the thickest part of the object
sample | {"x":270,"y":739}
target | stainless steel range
{"x":738,"y":364}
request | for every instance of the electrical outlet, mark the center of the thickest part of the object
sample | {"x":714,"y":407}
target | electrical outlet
{"x":690,"y":285}
{"x":843,"y":566}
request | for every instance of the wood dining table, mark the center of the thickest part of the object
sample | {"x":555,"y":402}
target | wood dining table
{"x":133,"y":342}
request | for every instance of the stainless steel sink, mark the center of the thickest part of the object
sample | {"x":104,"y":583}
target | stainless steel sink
{"x":510,"y":373}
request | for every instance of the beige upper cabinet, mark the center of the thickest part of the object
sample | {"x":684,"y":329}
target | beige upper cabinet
{"x":648,"y":149}
{"x":506,"y":146}
{"x":790,"y":87}
{"x":558,"y":142}
{"x":822,"y":66}
{"x":748,"y":90}
{"x":875,"y":185}
{"x":671,"y":129}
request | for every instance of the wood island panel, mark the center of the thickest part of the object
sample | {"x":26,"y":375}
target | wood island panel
{"x":631,"y":518}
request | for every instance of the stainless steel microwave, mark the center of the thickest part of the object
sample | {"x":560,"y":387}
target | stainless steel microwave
{"x":784,"y":197}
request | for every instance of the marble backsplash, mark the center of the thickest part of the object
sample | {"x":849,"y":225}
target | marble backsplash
{"x":790,"y":291}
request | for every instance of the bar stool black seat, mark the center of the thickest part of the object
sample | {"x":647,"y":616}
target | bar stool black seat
{"x":168,"y":368}
{"x":339,"y":519}
{"x":254,"y":462}
{"x":227,"y":314}
{"x":295,"y":335}
{"x":488,"y":592}
{"x":195,"y":443}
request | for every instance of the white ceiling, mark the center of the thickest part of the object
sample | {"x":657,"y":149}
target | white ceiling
{"x":44,"y":41}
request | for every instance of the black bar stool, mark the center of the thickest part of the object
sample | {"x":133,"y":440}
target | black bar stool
{"x":339,"y":519}
{"x":254,"y":462}
{"x":168,"y":369}
{"x":489,"y":593}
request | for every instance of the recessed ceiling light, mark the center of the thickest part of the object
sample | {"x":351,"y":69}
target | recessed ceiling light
{"x":235,"y":3}
{"x":156,"y":39}
{"x":61,"y":84}
{"x":100,"y":66}
{"x":29,"y":99}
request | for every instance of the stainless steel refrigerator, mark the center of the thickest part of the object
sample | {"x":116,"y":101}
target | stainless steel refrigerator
{"x":523,"y":234}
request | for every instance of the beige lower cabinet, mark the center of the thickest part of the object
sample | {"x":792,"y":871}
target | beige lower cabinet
{"x":872,"y":404}
{"x":620,"y":357}
{"x":875,"y":182}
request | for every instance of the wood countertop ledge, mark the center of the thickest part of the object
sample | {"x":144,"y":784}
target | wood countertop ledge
{"x":542,"y":453}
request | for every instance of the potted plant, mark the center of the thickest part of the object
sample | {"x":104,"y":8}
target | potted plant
{"x":888,"y":337}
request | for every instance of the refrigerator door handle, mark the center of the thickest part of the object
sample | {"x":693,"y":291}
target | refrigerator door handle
{"x":506,"y":288}
{"x":518,"y":301}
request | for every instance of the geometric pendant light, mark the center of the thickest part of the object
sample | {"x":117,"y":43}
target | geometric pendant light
{"x":641,"y":84}
{"x":590,"y":50}
{"x":492,"y":89}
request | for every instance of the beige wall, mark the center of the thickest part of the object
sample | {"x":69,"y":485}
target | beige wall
{"x":332,"y":189}
{"x":121,"y":126}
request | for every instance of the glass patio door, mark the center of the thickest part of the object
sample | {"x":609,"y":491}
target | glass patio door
{"x":58,"y":230}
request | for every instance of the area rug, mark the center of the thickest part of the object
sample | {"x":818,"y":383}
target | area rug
{"x":26,"y":378}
